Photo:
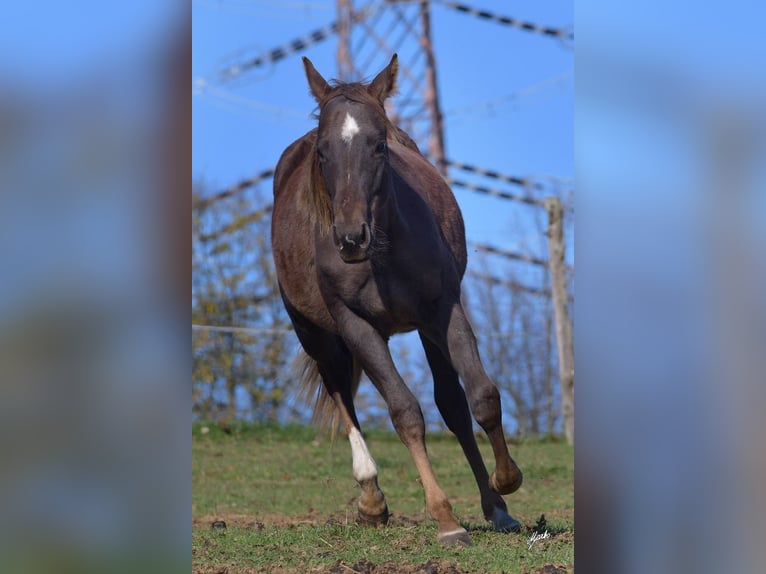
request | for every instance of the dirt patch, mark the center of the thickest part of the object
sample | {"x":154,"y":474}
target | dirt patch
{"x":552,"y":569}
{"x":434,"y":566}
{"x":259,"y":521}
{"x":440,"y":566}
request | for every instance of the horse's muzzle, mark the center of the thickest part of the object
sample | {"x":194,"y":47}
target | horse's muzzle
{"x":352,"y":243}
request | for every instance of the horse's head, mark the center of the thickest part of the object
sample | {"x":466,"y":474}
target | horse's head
{"x":352,"y":154}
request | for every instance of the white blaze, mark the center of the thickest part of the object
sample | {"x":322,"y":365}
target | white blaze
{"x":363,"y":465}
{"x":350,"y":129}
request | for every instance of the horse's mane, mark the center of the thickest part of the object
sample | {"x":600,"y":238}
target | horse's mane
{"x":316,"y":199}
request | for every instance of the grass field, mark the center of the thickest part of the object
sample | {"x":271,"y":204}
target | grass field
{"x":287,"y":497}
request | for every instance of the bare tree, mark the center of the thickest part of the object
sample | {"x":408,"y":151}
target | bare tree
{"x":236,"y":372}
{"x":514,"y":329}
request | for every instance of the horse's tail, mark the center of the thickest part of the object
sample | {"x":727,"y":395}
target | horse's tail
{"x":312,"y":388}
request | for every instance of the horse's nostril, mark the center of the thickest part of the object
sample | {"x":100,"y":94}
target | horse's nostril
{"x":366,"y":237}
{"x":353,"y":243}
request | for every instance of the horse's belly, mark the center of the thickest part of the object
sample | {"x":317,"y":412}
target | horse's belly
{"x":392,"y":308}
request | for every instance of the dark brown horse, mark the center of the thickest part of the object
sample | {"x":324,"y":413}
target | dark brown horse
{"x":369,"y":241}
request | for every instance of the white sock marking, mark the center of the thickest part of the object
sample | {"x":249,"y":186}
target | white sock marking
{"x":350,"y":129}
{"x":363,"y":465}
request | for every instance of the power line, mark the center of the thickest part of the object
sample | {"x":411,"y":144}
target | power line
{"x":492,"y":104}
{"x":495,"y":192}
{"x":522,"y":181}
{"x":258,"y":6}
{"x":514,"y":255}
{"x":508,"y":254}
{"x":513,"y":285}
{"x":247,"y":330}
{"x":234,"y":189}
{"x":525,"y":182}
{"x":289,"y":329}
{"x":508,"y":21}
{"x":237,"y":223}
{"x":293,"y":47}
{"x":236,"y":102}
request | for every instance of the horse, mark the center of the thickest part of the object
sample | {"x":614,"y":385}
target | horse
{"x":368,"y":241}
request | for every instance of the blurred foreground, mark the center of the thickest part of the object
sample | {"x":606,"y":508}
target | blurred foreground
{"x":94,"y":187}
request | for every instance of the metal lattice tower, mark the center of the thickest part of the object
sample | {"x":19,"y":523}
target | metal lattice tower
{"x":368,"y":34}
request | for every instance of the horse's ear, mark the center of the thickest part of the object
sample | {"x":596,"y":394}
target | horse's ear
{"x":317,"y":84}
{"x":384,"y":83}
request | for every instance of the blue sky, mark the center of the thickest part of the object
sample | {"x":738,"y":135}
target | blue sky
{"x":506,"y":94}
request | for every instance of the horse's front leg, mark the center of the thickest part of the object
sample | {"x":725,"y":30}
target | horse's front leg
{"x":371,"y":506}
{"x":335,"y":364}
{"x":372,"y":351}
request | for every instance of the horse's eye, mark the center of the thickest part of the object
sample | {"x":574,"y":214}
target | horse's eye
{"x":320,"y":155}
{"x":380,"y":148}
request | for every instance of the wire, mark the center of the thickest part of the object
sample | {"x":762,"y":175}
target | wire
{"x":525,"y":182}
{"x":275,"y":113}
{"x":522,"y":181}
{"x":490,"y":105}
{"x":234,"y":189}
{"x":508,"y":254}
{"x":513,"y":22}
{"x":269,"y":8}
{"x":241,"y":221}
{"x":513,"y":285}
{"x":249,"y":330}
{"x":289,"y":329}
{"x":495,"y":192}
{"x":293,"y":47}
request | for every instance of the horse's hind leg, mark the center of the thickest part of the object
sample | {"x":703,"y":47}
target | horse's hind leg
{"x":453,"y":406}
{"x":459,"y":344}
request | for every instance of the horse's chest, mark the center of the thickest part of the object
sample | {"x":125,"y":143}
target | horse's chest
{"x":393,"y":302}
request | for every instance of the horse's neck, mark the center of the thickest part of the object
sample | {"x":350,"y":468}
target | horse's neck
{"x":388,"y":216}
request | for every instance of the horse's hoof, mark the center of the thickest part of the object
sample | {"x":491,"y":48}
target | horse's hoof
{"x":455,"y":537}
{"x":507,"y":487}
{"x":504,"y":522}
{"x":373,"y":520}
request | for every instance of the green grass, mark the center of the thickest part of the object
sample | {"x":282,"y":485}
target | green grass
{"x":289,"y":503}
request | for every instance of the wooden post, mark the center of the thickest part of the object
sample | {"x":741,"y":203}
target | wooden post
{"x":561,"y":315}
